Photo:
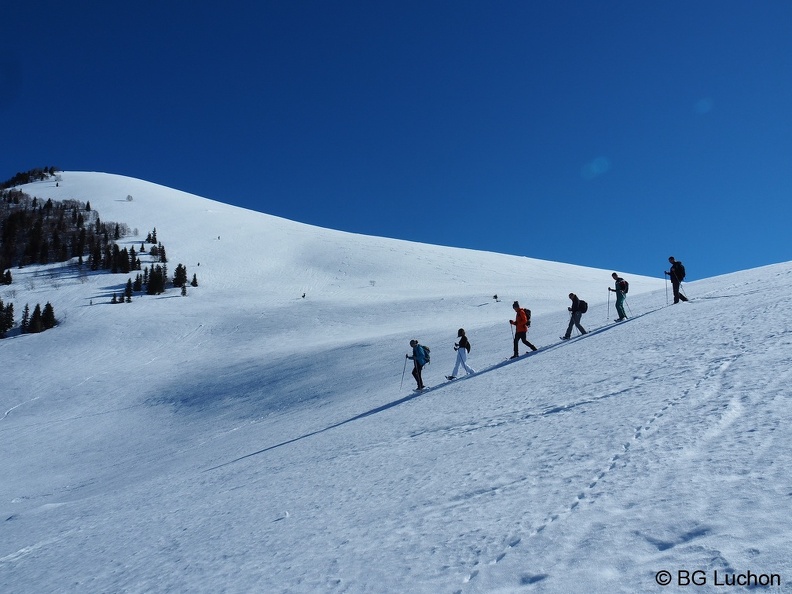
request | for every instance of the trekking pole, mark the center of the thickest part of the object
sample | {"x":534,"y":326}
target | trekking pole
{"x":666,"y":277}
{"x":628,"y":305}
{"x":403,"y":372}
{"x":607,"y":314}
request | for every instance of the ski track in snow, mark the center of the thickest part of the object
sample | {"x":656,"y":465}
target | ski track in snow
{"x":709,"y":383}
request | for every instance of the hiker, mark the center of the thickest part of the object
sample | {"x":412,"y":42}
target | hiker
{"x":677,"y":274}
{"x":521,"y":323}
{"x":462,"y":349}
{"x":419,"y":359}
{"x":579,"y":307}
{"x":620,"y":290}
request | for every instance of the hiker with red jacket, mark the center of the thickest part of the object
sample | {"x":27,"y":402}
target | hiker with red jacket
{"x":521,"y":323}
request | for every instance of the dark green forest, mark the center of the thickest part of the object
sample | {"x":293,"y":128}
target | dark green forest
{"x":38,"y":232}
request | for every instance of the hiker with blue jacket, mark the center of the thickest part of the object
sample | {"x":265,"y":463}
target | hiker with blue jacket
{"x":419,"y":359}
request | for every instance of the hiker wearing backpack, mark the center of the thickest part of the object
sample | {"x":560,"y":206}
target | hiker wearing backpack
{"x":420,"y":357}
{"x":622,"y":286}
{"x":521,"y":323}
{"x":677,"y":275}
{"x":462,"y":349}
{"x":578,"y":308}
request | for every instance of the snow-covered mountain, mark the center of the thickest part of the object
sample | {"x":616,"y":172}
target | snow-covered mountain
{"x":247,"y":438}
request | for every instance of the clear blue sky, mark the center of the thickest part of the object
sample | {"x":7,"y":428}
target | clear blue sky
{"x":609,"y":134}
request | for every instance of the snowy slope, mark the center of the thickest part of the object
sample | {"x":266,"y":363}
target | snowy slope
{"x":246,"y":439}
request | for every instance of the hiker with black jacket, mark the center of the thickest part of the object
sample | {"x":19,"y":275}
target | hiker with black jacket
{"x":677,"y":275}
{"x":462,"y":349}
{"x":578,"y":308}
{"x":620,"y":290}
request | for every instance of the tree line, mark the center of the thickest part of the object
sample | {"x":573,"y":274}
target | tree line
{"x":39,"y":321}
{"x":27,"y":177}
{"x":35,"y":231}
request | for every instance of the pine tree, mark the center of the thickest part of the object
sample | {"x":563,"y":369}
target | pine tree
{"x":48,"y":317}
{"x":25,"y":324}
{"x":7,"y":321}
{"x":180,"y":278}
{"x":194,"y":282}
{"x":6,"y":318}
{"x":36,"y":324}
{"x":128,"y":291}
{"x":9,"y":316}
{"x":156,"y":281}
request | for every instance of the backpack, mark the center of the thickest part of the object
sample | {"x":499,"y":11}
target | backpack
{"x":527,"y":316}
{"x":624,"y":285}
{"x":679,"y":271}
{"x":583,"y":306}
{"x":426,"y":353}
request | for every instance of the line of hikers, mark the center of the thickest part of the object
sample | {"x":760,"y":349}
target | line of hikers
{"x":522,"y":321}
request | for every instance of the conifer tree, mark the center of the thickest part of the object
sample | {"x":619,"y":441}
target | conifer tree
{"x":6,"y":318}
{"x":180,"y":278}
{"x":194,"y":282}
{"x":36,"y":325}
{"x":25,"y":325}
{"x":48,"y":317}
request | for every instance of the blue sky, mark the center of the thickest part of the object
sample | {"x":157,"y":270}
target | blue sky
{"x":608,"y":134}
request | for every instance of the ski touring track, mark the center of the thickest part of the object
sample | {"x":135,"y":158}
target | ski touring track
{"x":708,"y":384}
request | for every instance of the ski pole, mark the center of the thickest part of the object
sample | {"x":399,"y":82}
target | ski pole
{"x":666,"y":278}
{"x":607,"y":314}
{"x":403,"y":372}
{"x":628,"y":305}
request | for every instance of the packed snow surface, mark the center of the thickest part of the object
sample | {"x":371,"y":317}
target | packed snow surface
{"x":247,"y":438}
